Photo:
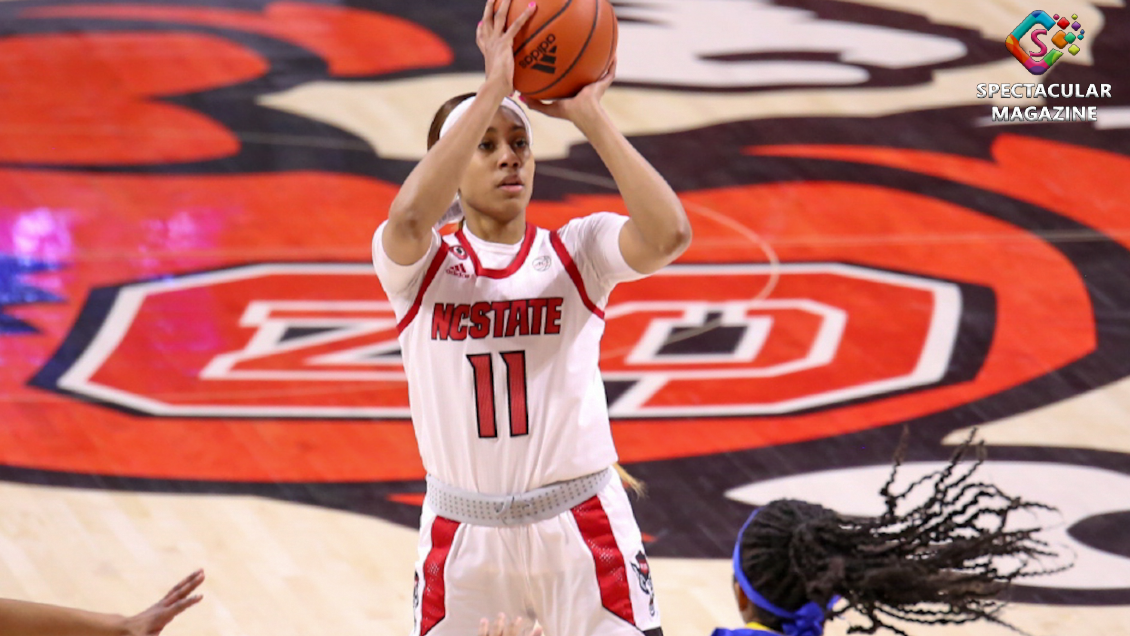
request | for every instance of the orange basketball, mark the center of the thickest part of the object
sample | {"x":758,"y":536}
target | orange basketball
{"x":566,"y":45}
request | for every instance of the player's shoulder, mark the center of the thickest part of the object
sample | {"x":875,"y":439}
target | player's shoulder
{"x":585,"y":228}
{"x":594,"y":219}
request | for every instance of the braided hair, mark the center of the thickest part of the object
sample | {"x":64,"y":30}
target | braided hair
{"x":937,"y":563}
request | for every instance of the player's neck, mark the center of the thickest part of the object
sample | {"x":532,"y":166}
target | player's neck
{"x":495,"y":231}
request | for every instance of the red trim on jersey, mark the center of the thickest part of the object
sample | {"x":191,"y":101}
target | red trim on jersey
{"x":432,"y":601}
{"x":574,"y":273}
{"x":429,"y":276}
{"x":611,"y":570}
{"x":519,"y":258}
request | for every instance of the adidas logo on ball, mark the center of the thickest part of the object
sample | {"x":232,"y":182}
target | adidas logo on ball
{"x":544,"y":57}
{"x":570,"y":44}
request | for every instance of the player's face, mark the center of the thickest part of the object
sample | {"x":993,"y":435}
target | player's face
{"x":500,"y":178}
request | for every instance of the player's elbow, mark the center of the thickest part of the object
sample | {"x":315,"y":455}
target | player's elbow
{"x":683,"y":236}
{"x":677,"y":239}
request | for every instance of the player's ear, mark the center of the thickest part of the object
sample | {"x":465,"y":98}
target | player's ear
{"x":739,"y":596}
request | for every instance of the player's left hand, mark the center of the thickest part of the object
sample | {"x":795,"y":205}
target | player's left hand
{"x":153,"y":620}
{"x":500,"y":627}
{"x":581,"y":106}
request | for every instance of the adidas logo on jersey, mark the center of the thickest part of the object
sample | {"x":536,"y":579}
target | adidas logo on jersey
{"x":458,"y":270}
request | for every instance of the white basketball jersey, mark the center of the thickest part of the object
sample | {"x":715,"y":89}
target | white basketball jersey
{"x":502,"y":365}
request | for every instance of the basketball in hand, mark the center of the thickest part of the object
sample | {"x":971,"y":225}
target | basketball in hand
{"x":565,"y":46}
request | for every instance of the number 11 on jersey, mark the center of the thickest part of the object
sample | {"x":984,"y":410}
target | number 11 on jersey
{"x":483,"y":367}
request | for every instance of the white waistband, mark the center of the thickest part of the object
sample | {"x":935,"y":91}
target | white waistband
{"x":513,"y":510}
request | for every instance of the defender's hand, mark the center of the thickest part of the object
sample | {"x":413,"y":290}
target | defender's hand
{"x":153,"y":620}
{"x":500,"y":627}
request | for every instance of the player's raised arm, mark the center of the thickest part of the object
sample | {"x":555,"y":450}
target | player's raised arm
{"x":431,"y":186}
{"x":657,"y":231}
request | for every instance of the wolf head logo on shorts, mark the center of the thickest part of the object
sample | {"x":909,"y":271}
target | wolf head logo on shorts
{"x":643,"y":571}
{"x":415,"y":595}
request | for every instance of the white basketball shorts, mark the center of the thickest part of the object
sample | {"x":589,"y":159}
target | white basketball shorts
{"x":581,"y":573}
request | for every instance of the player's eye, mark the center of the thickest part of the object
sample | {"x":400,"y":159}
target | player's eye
{"x":486,"y":146}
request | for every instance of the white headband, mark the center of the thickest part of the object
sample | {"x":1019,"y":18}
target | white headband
{"x":455,"y":212}
{"x":507,"y":103}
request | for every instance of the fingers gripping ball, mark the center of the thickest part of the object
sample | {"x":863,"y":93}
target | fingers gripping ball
{"x":566,"y":45}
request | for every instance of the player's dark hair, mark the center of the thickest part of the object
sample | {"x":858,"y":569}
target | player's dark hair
{"x":441,"y":116}
{"x":933,"y":564}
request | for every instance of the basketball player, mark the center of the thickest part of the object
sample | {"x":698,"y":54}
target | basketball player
{"x":21,"y":618}
{"x":500,"y":327}
{"x":934,"y":564}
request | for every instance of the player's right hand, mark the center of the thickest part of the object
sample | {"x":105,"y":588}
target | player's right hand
{"x":583,"y":108}
{"x":500,"y":627}
{"x":497,"y":42}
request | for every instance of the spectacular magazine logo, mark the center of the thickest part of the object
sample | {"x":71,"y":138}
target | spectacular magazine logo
{"x":1037,"y":24}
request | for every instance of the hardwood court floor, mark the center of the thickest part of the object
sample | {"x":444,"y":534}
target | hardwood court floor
{"x":199,"y":367}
